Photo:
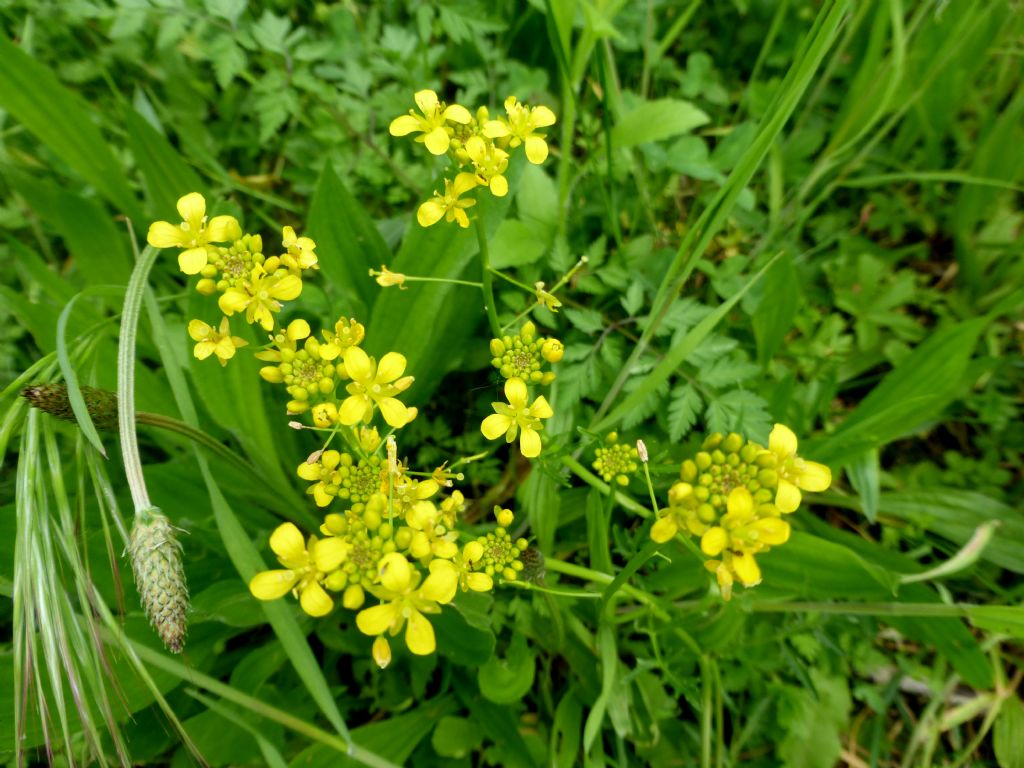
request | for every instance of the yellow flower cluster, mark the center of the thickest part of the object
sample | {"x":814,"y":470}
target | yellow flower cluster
{"x":478,"y":145}
{"x":394,"y":540}
{"x":733,"y":494}
{"x":520,"y":359}
{"x":232,"y":264}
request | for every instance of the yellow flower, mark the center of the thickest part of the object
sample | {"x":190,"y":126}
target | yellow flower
{"x":374,"y":382}
{"x":386,"y":278}
{"x":430,"y":537}
{"x":193,"y":233}
{"x":517,"y":416}
{"x":744,"y":528}
{"x":432,"y":122}
{"x":466,"y":563}
{"x":214,"y":342}
{"x":302,"y":249}
{"x":305,"y":564}
{"x":449,"y":205}
{"x":734,"y":567}
{"x":490,"y":163}
{"x":285,"y":340}
{"x":261,"y":297}
{"x":794,"y":473}
{"x":404,"y":601}
{"x":519,"y":128}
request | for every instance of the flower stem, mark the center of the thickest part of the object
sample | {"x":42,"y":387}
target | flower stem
{"x":593,"y":480}
{"x":512,"y":280}
{"x":589,"y":574}
{"x":487,"y":279}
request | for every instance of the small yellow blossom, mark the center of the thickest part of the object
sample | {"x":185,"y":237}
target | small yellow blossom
{"x":302,"y":249}
{"x":794,"y":473}
{"x":347,"y":333}
{"x":449,"y":205}
{"x":218,"y":342}
{"x":490,"y":163}
{"x":517,"y":417}
{"x":261,"y":297}
{"x":432,"y":122}
{"x":386,"y":278}
{"x":519,"y":128}
{"x":193,"y":233}
{"x":375,"y":383}
{"x":469,"y":577}
{"x":306,"y":564}
{"x":404,"y":601}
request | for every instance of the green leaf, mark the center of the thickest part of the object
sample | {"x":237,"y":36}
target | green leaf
{"x":460,"y":641}
{"x":78,"y":406}
{"x":864,"y":473}
{"x":1008,"y":733}
{"x":165,"y":175}
{"x":685,"y":406}
{"x":1004,"y":619}
{"x":780,"y":298}
{"x":813,"y":721}
{"x":657,"y":120}
{"x":515,"y":244}
{"x":61,"y":120}
{"x":914,"y":392}
{"x":456,"y":737}
{"x":506,"y":681}
{"x":812,"y":567}
{"x":348,"y":244}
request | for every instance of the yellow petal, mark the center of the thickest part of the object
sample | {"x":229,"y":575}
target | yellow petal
{"x":309,"y":472}
{"x":297,"y":329}
{"x":223,"y":229}
{"x":475,"y":148}
{"x":390,"y":367}
{"x":404,"y":125}
{"x":515,"y":392}
{"x":287,"y":288}
{"x":198,"y":330}
{"x":441,"y":584}
{"x":395,"y":572}
{"x":419,"y":635}
{"x":353,"y":597}
{"x":463,"y":183}
{"x":479,"y":582}
{"x":353,"y":409}
{"x":358,"y":366}
{"x":542,"y":117}
{"x":270,"y":585}
{"x":321,"y":496}
{"x":437,"y":141}
{"x":664,"y":529}
{"x":813,"y":476}
{"x":192,"y":261}
{"x":287,"y":543}
{"x":426,"y":100}
{"x":771,"y":530}
{"x":329,"y":553}
{"x":714,"y":541}
{"x":381,"y":652}
{"x":495,"y":425}
{"x":225,"y":348}
{"x":536,"y":149}
{"x":740,"y":503}
{"x":378,"y":619}
{"x":458,"y":114}
{"x":499,"y":186}
{"x":529,"y":443}
{"x":192,"y":207}
{"x":233,"y":300}
{"x":541,"y":409}
{"x":472,"y":552}
{"x":394,"y":413}
{"x":746,"y":569}
{"x":315,"y":601}
{"x":430,"y":212}
{"x":495,"y":129}
{"x":163,"y":234}
{"x":203,"y":350}
{"x":782,"y":441}
{"x":787,"y":497}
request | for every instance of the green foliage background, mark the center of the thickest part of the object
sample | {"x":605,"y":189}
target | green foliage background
{"x":793,"y":212}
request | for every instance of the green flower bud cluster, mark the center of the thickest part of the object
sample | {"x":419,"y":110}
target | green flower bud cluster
{"x":616,"y":461}
{"x":524,"y":355}
{"x":231,"y":265}
{"x":305,"y":375}
{"x":502,"y":556}
{"x":370,"y":537}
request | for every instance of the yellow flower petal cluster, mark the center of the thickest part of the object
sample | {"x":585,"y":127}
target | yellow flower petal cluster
{"x":478,"y":146}
{"x":193,"y":233}
{"x":518,"y":417}
{"x":734,"y":494}
{"x":211,"y":341}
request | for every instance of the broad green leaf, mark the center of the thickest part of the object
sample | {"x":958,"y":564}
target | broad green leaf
{"x":864,"y":474}
{"x":814,"y":568}
{"x":506,"y":680}
{"x":166,"y":177}
{"x":1004,"y":619}
{"x":459,"y":641}
{"x":812,"y":722}
{"x":348,"y":244}
{"x":456,"y":737}
{"x":780,"y":298}
{"x":515,"y":244}
{"x":61,"y":120}
{"x":1008,"y":733}
{"x":657,"y":120}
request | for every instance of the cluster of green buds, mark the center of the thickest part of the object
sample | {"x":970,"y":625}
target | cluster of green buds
{"x":478,"y":146}
{"x":616,"y":461}
{"x":734,"y":494}
{"x":520,"y":360}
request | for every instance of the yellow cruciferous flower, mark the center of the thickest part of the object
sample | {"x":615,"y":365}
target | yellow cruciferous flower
{"x":305,"y":565}
{"x":261,"y":296}
{"x":490,"y":163}
{"x":301,"y":249}
{"x":794,"y":473}
{"x":217,"y":342}
{"x":518,"y":417}
{"x":193,"y":233}
{"x":432,"y":122}
{"x":449,"y":205}
{"x":404,"y":601}
{"x":519,"y":128}
{"x":374,"y":382}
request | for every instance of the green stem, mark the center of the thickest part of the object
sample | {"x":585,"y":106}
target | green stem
{"x":512,"y":280}
{"x":470,"y":283}
{"x":589,"y":574}
{"x":593,"y":480}
{"x":487,"y":279}
{"x":705,"y":713}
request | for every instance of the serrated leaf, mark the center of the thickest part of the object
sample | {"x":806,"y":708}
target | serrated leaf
{"x":634,"y":299}
{"x":587,"y":320}
{"x":740,"y":411}
{"x":683,"y":410}
{"x":727,"y":371}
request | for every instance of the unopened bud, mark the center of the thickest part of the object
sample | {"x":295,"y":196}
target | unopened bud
{"x":641,"y":451}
